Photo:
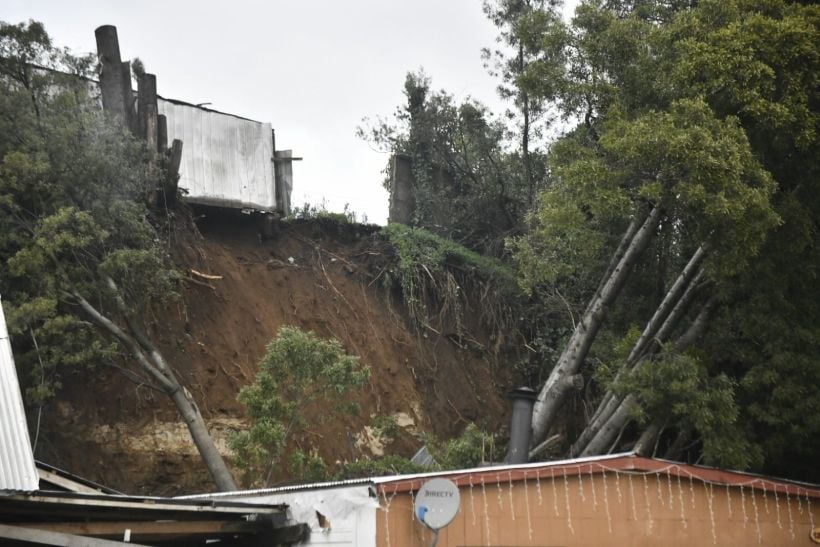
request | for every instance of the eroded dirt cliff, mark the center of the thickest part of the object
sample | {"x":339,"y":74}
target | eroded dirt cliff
{"x":322,"y":276}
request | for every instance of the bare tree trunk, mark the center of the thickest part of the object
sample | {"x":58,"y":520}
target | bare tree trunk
{"x":555,"y":389}
{"x":151,"y":361}
{"x":675,"y":450}
{"x":647,"y":438}
{"x":666,"y":317}
{"x":604,"y":434}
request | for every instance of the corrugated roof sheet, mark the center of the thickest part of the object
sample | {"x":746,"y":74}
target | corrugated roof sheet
{"x":226,"y":160}
{"x":17,"y":469}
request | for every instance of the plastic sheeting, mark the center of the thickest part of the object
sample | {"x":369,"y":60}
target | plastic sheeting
{"x":226,"y":160}
{"x":17,"y":469}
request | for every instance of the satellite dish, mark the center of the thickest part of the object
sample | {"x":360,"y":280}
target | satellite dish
{"x":437,"y":503}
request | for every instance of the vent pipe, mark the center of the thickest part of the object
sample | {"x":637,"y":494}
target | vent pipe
{"x":523,"y":399}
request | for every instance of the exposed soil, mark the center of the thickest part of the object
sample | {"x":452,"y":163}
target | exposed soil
{"x":321,"y":276}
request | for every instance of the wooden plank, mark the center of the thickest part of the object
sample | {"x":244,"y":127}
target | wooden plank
{"x":68,"y":484}
{"x":44,"y":537}
{"x":150,"y":530}
{"x":148,"y":504}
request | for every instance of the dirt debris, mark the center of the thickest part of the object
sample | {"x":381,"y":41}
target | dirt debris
{"x":320,"y":276}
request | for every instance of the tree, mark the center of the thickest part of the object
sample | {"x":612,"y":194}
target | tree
{"x":466,"y":186}
{"x":83,"y":260}
{"x":518,"y":22}
{"x":718,"y":142}
{"x":299,"y":371}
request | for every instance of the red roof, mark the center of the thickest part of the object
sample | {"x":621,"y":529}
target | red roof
{"x":625,"y":463}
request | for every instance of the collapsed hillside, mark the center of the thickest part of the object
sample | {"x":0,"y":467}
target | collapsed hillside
{"x":240,"y":288}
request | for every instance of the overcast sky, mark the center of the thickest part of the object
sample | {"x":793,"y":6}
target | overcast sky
{"x":312,"y":69}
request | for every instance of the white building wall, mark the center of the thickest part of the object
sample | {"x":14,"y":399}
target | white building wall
{"x":349,"y":512}
{"x":226,"y":160}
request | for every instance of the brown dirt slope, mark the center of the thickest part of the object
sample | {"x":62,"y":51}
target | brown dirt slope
{"x":322,"y":276}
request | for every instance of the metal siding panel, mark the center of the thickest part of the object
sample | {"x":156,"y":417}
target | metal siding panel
{"x":17,"y":469}
{"x":226,"y":160}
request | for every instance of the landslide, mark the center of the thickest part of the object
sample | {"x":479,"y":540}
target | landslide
{"x":240,"y":288}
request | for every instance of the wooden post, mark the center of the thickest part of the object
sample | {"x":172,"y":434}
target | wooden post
{"x":283,"y":179}
{"x":151,"y":126}
{"x":175,"y":157}
{"x":171,"y":184}
{"x":146,"y":99}
{"x":128,"y":97}
{"x":111,"y":77}
{"x":162,"y":133}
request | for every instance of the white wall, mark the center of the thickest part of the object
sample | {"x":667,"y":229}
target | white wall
{"x":226,"y":160}
{"x":350,"y":512}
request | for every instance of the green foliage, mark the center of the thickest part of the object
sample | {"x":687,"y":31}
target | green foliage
{"x":723,"y":135}
{"x":466,"y":186}
{"x":472,"y":448}
{"x":384,"y":465}
{"x":72,"y":189}
{"x":320,"y":212}
{"x":385,"y":427}
{"x":419,"y":249}
{"x":308,"y":466}
{"x":679,"y":386}
{"x":436,"y":275}
{"x":299,"y":371}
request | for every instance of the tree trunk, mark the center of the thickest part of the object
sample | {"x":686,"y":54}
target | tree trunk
{"x":664,"y":320}
{"x":525,"y":132}
{"x":203,"y":440}
{"x":675,"y":450}
{"x":152,"y":362}
{"x":604,"y":435}
{"x":647,"y":438}
{"x":555,"y":390}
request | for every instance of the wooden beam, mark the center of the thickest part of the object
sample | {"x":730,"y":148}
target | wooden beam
{"x":150,"y":530}
{"x":147,"y":504}
{"x":43,"y":537}
{"x":62,"y":482}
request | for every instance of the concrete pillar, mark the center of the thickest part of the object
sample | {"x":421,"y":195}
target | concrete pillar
{"x":402,"y":200}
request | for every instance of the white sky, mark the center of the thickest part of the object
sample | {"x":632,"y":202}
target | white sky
{"x":312,"y":69}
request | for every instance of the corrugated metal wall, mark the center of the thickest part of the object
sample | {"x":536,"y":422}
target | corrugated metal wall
{"x":17,"y":469}
{"x":226,"y":160}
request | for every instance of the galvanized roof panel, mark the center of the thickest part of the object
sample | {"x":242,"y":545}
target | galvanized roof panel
{"x":17,"y":469}
{"x":226,"y":160}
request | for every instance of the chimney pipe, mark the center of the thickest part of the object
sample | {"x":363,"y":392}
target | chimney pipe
{"x":523,"y":399}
